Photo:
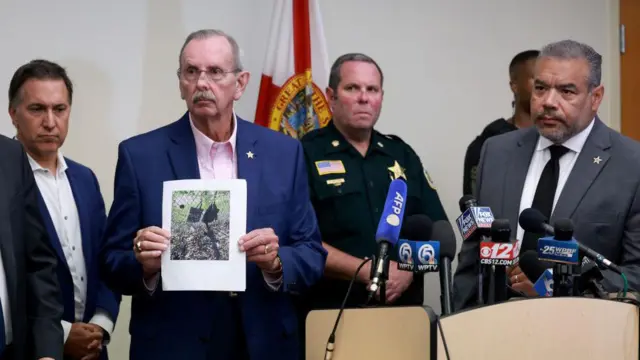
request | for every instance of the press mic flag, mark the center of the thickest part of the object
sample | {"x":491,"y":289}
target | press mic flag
{"x":388,"y":231}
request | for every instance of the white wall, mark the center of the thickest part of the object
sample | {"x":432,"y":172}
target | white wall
{"x":445,"y":65}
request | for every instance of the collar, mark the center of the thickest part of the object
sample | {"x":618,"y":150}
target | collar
{"x":204,"y":143}
{"x":62,"y":164}
{"x":338,"y":143}
{"x":575,"y":143}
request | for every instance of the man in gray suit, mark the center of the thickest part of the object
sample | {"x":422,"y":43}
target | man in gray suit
{"x":570,"y":165}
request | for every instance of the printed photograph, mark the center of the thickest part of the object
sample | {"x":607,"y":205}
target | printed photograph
{"x":200,"y":225}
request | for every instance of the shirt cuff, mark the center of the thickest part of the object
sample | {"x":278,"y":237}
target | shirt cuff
{"x":66,"y":327}
{"x":274,"y":281}
{"x":151,"y":284}
{"x":102,"y":319}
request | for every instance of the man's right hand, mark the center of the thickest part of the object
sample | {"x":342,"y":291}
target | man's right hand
{"x":148,"y":246}
{"x":83,"y":342}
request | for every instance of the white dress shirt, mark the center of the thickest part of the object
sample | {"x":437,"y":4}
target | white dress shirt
{"x":58,"y":197}
{"x":6,"y":309}
{"x":541,"y":156}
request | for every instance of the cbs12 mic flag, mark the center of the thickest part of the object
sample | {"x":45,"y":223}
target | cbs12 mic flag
{"x":296,"y":71}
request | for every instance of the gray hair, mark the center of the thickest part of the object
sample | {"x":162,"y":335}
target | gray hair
{"x":209,"y":33}
{"x":334,"y":74}
{"x":570,"y":49}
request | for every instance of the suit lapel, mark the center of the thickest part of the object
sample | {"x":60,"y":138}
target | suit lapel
{"x":79,"y":191}
{"x":590,"y":162}
{"x":249,"y":166}
{"x":517,"y":168}
{"x":51,"y":229}
{"x":182,"y":150}
{"x":6,"y":245}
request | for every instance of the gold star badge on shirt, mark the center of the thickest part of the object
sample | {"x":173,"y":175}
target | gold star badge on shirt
{"x":396,"y":171}
{"x":597,"y":159}
{"x":250,"y":155}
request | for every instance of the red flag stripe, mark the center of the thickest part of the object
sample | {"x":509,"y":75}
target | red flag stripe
{"x":301,"y":36}
{"x":267,"y":95}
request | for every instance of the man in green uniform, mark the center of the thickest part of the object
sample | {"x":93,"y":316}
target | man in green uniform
{"x":350,"y":168}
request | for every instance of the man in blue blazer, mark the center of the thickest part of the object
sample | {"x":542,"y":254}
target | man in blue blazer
{"x":283,"y":247}
{"x":71,"y":205}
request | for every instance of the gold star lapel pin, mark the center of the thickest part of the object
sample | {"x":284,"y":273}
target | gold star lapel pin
{"x":597,"y":160}
{"x":250,"y":155}
{"x":396,"y":171}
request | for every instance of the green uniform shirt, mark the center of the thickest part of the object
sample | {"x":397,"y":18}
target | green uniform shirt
{"x":348,"y":192}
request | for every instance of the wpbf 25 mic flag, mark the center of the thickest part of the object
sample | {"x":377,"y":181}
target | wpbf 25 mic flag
{"x":296,"y":71}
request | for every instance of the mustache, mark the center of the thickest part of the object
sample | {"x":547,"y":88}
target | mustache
{"x":550,"y":114}
{"x":203,"y":95}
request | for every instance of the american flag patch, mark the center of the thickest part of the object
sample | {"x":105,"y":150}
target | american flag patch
{"x":330,"y":167}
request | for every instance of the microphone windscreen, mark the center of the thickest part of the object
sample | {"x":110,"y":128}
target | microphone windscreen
{"x":500,"y":230}
{"x":531,"y":266}
{"x":563,"y":229}
{"x":392,"y":213}
{"x":443,"y":233}
{"x":416,"y":227}
{"x":531,"y":220}
{"x":465,"y":201}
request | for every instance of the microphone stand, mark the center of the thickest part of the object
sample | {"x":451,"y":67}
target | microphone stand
{"x":382,"y":279}
{"x":563,"y":284}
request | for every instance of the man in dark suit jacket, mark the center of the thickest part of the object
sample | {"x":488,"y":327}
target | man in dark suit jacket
{"x":70,"y":203}
{"x":282,"y":245}
{"x":570,"y":165}
{"x":29,"y":290}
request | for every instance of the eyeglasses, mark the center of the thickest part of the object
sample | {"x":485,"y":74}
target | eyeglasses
{"x":213,"y":74}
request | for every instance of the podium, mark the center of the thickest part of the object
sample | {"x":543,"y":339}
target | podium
{"x":541,"y":328}
{"x":373,"y":333}
{"x":544,"y":328}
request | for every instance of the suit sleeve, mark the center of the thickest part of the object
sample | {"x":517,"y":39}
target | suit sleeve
{"x":630,"y":261}
{"x":119,"y":268}
{"x":107,"y":300}
{"x":465,"y":280}
{"x":303,"y":259}
{"x":44,"y":309}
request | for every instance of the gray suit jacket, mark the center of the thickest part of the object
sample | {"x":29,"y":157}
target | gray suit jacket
{"x":602,"y":200}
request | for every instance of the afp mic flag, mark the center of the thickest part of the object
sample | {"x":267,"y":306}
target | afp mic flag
{"x":387,"y":235}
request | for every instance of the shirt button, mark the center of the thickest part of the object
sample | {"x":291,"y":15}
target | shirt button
{"x":339,"y":191}
{"x":73,"y":248}
{"x":65,"y":218}
{"x":376,"y":210}
{"x":371,"y":184}
{"x":82,"y":278}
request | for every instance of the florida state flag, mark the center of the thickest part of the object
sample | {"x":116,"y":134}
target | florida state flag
{"x":296,"y":71}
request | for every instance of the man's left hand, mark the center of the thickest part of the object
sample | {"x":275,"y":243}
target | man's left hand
{"x":520,"y":282}
{"x":261,"y":247}
{"x":398,"y":282}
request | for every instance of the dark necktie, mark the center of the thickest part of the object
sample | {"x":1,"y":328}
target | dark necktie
{"x":545,"y":193}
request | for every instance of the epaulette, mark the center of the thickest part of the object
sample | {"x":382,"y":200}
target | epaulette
{"x":314,"y":134}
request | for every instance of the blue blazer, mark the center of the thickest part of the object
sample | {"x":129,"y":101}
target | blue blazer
{"x":195,"y":324}
{"x":91,"y":211}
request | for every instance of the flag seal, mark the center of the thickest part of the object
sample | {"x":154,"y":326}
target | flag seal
{"x":299,"y":107}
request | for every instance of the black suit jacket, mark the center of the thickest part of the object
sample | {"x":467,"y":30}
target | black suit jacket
{"x":29,"y":260}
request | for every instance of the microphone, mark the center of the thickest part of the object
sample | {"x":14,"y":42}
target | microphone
{"x":533,"y":220}
{"x":590,"y":280}
{"x":500,"y":253}
{"x":535,"y":269}
{"x":443,"y":232}
{"x":474,"y":224}
{"x":474,"y":219}
{"x":562,"y":250}
{"x":387,"y":236}
{"x":415,"y":228}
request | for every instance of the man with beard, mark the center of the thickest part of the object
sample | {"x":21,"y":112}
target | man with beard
{"x":521,"y":83}
{"x":569,"y":165}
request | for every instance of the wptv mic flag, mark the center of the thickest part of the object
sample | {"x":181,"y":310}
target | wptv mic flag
{"x":296,"y":71}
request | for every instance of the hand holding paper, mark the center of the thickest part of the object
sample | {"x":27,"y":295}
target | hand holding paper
{"x":148,"y":246}
{"x":261,"y":247}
